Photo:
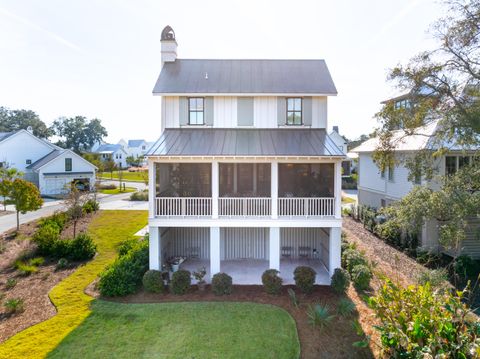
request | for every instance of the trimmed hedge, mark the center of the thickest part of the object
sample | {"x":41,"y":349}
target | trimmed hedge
{"x":181,"y":282}
{"x":361,"y":276}
{"x":153,"y":282}
{"x":272,"y":282}
{"x":340,"y":280}
{"x":222,"y":284}
{"x":125,"y":275}
{"x":304,"y":278}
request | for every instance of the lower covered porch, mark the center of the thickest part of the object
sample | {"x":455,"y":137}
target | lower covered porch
{"x":245,"y":253}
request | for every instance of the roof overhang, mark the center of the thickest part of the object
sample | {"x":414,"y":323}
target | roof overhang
{"x":236,"y":94}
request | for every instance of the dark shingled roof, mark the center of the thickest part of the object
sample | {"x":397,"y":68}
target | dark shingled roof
{"x":5,"y":135}
{"x":45,"y":159}
{"x":244,"y":142}
{"x":245,"y":76}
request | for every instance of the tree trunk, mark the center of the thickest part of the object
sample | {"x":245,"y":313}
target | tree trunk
{"x":5,"y":204}
{"x":18,"y":221}
{"x":74,"y":228}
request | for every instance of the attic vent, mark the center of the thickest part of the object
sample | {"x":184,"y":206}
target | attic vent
{"x":30,"y":129}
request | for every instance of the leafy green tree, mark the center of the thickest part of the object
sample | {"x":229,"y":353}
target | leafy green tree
{"x":94,"y":158}
{"x":7,"y":176}
{"x":444,"y":88}
{"x":14,"y":120}
{"x":25,"y":196}
{"x":110,"y":166}
{"x":78,"y":133}
{"x":134,"y":161}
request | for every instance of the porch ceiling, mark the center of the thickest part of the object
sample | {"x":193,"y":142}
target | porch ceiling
{"x":244,"y":142}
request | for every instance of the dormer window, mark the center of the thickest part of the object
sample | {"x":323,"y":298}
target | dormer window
{"x":195,"y":111}
{"x":294,"y":111}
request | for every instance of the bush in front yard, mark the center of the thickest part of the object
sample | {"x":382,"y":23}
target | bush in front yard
{"x":353,"y":258}
{"x":124,"y":275}
{"x":46,"y":237}
{"x":340,"y":280}
{"x":419,"y":322}
{"x":58,"y":218}
{"x":153,"y":281}
{"x":139,"y":196}
{"x":361,"y":276}
{"x":81,"y":248}
{"x":91,"y":206}
{"x":181,"y":282}
{"x":304,"y":278}
{"x":222,"y":284}
{"x":272,"y":282}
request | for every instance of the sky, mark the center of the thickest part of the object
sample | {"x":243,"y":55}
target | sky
{"x":100,"y":59}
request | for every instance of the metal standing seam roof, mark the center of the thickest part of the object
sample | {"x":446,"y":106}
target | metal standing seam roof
{"x":245,"y":76}
{"x":244,"y":142}
{"x":45,"y":159}
{"x":135,"y":143}
{"x":107,"y":147}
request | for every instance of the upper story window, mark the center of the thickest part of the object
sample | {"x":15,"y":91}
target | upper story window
{"x":143,"y":147}
{"x":402,"y":104}
{"x":391,"y":172}
{"x":196,"y":111}
{"x":28,"y":162}
{"x":294,"y":111}
{"x":68,"y":164}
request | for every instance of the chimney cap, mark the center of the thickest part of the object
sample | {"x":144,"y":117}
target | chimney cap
{"x":168,"y":34}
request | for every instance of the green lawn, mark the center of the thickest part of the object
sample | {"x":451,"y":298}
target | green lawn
{"x":117,"y":190}
{"x":108,"y":230}
{"x":126,"y":176}
{"x":346,"y":200}
{"x":182,"y":330}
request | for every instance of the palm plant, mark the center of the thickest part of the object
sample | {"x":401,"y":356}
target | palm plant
{"x":319,"y":315}
{"x":345,"y":307}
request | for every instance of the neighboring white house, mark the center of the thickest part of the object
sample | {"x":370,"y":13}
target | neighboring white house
{"x":378,"y":189}
{"x":342,"y":144}
{"x":134,"y":148}
{"x":48,"y":166}
{"x":116,"y":153}
{"x":244,"y":176}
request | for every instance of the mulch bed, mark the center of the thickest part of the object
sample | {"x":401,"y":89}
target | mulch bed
{"x":333,"y":342}
{"x":390,"y":261}
{"x":33,"y":289}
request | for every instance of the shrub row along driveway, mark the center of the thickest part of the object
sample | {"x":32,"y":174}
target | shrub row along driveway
{"x":73,"y":305}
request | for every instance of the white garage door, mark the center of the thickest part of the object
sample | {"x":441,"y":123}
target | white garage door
{"x":55,"y":185}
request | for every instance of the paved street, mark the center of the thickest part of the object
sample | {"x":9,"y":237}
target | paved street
{"x":118,"y":201}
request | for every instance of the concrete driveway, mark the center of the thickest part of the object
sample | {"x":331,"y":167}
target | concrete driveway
{"x":117,"y":201}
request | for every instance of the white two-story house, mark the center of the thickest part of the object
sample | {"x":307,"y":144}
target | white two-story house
{"x":379,"y":189}
{"x":244,"y":176}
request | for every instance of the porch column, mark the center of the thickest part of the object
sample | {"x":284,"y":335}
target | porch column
{"x":154,"y":248}
{"x":151,"y":188}
{"x":215,"y":188}
{"x":274,"y":188}
{"x":214,"y":250}
{"x":334,"y":249}
{"x":275,"y":248}
{"x":338,"y":189}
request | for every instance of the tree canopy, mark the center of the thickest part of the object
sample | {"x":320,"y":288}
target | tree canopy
{"x":78,"y":133}
{"x":14,"y":120}
{"x":25,"y":196}
{"x":443,"y":86}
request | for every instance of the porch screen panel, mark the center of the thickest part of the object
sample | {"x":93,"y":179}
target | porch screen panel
{"x":184,"y":179}
{"x":306,"y":179}
{"x":245,"y":180}
{"x":244,"y":243}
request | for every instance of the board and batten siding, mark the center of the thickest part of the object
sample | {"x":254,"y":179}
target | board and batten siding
{"x":225,"y":111}
{"x":187,"y":242}
{"x":243,"y":111}
{"x":314,"y":238}
{"x":244,"y":243}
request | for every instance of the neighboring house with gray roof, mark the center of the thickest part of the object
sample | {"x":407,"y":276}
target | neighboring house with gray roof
{"x":244,"y":176}
{"x":51,"y":168}
{"x":115,"y":152}
{"x":135,"y":148}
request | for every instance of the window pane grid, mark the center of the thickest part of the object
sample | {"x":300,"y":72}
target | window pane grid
{"x":294,"y":111}
{"x":195,"y":111}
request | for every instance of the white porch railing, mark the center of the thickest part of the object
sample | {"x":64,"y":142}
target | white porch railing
{"x":306,"y":207}
{"x":244,"y":207}
{"x":183,"y":206}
